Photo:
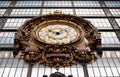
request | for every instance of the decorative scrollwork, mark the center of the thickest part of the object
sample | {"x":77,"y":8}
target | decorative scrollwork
{"x":32,"y":55}
{"x":56,"y":55}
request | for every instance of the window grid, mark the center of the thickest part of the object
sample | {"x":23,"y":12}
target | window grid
{"x":100,"y":23}
{"x":112,"y":65}
{"x":109,"y":39}
{"x":89,"y":12}
{"x":25,"y":12}
{"x":14,"y":23}
{"x":118,"y":21}
{"x":6,"y":39}
{"x":8,"y":65}
{"x":57,"y":4}
{"x":113,"y":3}
{"x":19,"y":68}
{"x":102,"y":62}
{"x":4,"y":3}
{"x":2,"y":11}
{"x":115,"y":12}
{"x":107,"y":66}
{"x":86,"y":4}
{"x":28,"y":3}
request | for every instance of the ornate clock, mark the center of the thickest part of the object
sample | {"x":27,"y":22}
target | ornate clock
{"x":57,"y":40}
{"x":59,"y":33}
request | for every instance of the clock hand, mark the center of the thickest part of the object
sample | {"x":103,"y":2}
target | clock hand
{"x":57,"y":33}
{"x":49,"y":30}
{"x":63,"y":30}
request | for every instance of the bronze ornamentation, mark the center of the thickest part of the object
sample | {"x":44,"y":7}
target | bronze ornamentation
{"x":57,"y":40}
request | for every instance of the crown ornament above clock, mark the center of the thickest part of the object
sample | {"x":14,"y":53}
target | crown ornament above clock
{"x":57,"y":40}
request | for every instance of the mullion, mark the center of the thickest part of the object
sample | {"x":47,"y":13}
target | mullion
{"x":77,"y":70}
{"x":78,"y":16}
{"x":2,"y":59}
{"x":41,"y":10}
{"x":43,"y":7}
{"x":108,"y":64}
{"x":5,"y":66}
{"x":10,"y":67}
{"x":16,"y":67}
{"x":115,"y":65}
{"x":118,"y":60}
{"x":98,"y":68}
{"x":103,"y":66}
{"x":7,"y":63}
{"x":93,"y":69}
{"x":22,"y":69}
{"x":72,"y":2}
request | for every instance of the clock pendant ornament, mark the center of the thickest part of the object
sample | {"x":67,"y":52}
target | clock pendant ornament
{"x":57,"y":40}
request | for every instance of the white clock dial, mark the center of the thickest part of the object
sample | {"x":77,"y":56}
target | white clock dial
{"x":58,"y":34}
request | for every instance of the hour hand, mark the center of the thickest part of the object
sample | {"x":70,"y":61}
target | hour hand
{"x":52,"y":31}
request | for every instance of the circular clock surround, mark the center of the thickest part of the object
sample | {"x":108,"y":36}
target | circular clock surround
{"x":57,"y":32}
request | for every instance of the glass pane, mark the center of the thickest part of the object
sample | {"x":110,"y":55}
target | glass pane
{"x":86,"y":4}
{"x":115,"y":71}
{"x":14,"y":23}
{"x":48,"y":70}
{"x":2,"y":11}
{"x":118,"y":21}
{"x":115,"y":12}
{"x":118,"y":54}
{"x":116,"y":61}
{"x":4,"y":3}
{"x":90,"y":72}
{"x":25,"y":12}
{"x":96,"y":72}
{"x":28,"y":3}
{"x":108,"y":71}
{"x":6,"y":39}
{"x":34,"y":72}
{"x":12,"y":72}
{"x":74,"y":71}
{"x":6,"y":72}
{"x":109,"y":39}
{"x":67,"y":70}
{"x":41,"y":71}
{"x":2,"y":54}
{"x":1,"y":71}
{"x":24,"y":72}
{"x":89,"y":12}
{"x":100,"y":23}
{"x":103,"y":72}
{"x":113,"y":3}
{"x":17,"y":71}
{"x":57,"y":4}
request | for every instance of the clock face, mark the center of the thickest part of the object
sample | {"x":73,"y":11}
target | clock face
{"x":57,"y":33}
